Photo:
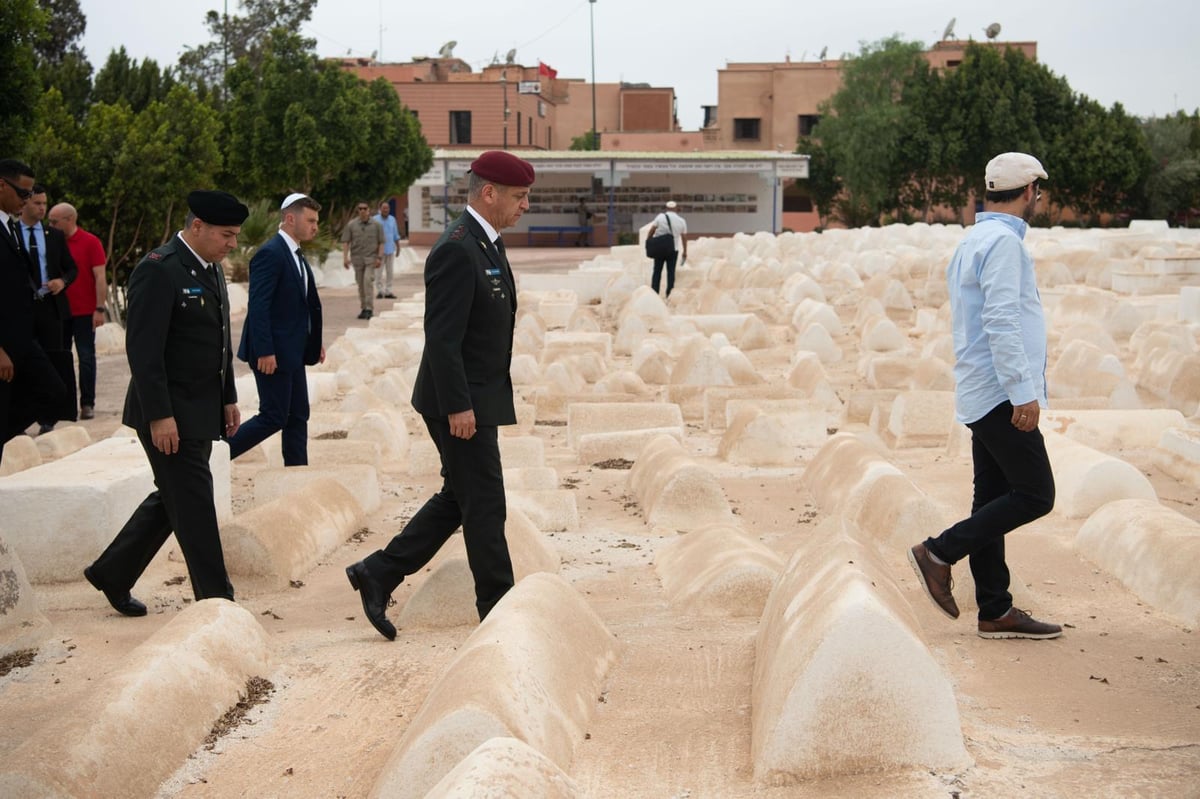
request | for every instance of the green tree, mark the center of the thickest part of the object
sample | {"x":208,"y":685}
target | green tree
{"x":125,"y":79}
{"x":344,"y":139}
{"x":241,"y":38}
{"x":1172,"y":188}
{"x":61,"y":63}
{"x":21,"y":27}
{"x":56,"y":147}
{"x":587,"y":141}
{"x":1098,"y":161}
{"x":862,"y":128}
{"x":823,"y":183}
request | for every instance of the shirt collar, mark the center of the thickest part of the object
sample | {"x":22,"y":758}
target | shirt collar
{"x":291,"y":243}
{"x":1018,"y":225}
{"x":491,"y":232}
{"x":196,"y":255}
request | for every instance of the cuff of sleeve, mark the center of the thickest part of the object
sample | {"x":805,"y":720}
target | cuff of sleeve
{"x":1021,"y":393}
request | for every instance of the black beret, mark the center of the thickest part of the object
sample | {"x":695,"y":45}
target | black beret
{"x":217,"y":208}
{"x":504,"y":168}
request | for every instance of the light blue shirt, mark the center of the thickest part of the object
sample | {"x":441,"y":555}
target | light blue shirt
{"x":391,"y":232}
{"x":999,"y":328}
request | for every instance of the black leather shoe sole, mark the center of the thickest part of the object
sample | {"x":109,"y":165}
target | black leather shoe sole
{"x":355,"y":573}
{"x":125,"y":605}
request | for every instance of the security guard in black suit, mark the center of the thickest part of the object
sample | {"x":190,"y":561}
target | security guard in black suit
{"x":464,"y":392}
{"x":181,"y":397}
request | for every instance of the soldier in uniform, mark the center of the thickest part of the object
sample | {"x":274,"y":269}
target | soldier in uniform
{"x":464,"y":391}
{"x":181,"y":397}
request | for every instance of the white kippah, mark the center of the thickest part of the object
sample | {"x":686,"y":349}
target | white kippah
{"x":291,"y":198}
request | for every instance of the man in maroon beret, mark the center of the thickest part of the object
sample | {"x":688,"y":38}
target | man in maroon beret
{"x":464,"y":392}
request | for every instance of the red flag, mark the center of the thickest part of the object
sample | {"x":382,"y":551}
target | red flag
{"x":545,"y":70}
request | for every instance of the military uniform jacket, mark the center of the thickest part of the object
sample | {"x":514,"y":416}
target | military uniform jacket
{"x":177,"y":343}
{"x":470,"y":312}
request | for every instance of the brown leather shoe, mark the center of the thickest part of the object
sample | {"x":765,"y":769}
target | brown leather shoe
{"x":1016,"y":623}
{"x":935,"y":579}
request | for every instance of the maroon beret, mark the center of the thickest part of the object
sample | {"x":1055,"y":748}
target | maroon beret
{"x":504,"y":168}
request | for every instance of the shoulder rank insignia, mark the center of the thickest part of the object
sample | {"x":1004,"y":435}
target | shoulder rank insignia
{"x":459,"y":233}
{"x":154,"y":255}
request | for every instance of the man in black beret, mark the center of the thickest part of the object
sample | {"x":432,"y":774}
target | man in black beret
{"x":181,"y":397}
{"x":464,"y":392}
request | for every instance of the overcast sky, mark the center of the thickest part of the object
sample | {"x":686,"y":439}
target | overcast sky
{"x":1143,"y":55}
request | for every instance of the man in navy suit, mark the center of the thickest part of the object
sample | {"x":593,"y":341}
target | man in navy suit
{"x":464,"y":392}
{"x":282,"y":334}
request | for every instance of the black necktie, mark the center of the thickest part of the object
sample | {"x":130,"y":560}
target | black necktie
{"x":35,"y":262}
{"x":303,"y":270}
{"x":503,"y":255}
{"x":15,"y":231}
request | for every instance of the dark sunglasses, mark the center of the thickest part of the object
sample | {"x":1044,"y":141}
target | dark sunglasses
{"x":24,"y":194}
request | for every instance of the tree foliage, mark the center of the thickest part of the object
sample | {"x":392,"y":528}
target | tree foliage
{"x":904,"y":138}
{"x":296,"y":124}
{"x":585,"y":141}
{"x":1172,"y":188}
{"x":21,"y":27}
{"x":124,"y":79}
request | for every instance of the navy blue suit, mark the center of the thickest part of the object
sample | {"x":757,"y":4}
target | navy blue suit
{"x":283,"y":319}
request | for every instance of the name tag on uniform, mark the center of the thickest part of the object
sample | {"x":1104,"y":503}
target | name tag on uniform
{"x":192,"y":292}
{"x":491,"y":271}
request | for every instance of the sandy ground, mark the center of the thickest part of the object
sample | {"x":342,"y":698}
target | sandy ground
{"x":1112,"y":709}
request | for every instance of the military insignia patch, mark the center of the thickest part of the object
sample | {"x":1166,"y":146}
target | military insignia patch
{"x":154,"y":255}
{"x":459,"y":233}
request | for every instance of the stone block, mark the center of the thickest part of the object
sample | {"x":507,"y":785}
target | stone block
{"x":840,"y":667}
{"x":739,"y":366}
{"x":554,"y":510}
{"x":718,"y":570}
{"x":522,"y":452}
{"x":532,"y":671}
{"x":558,"y":344}
{"x":755,"y":438}
{"x":62,"y":441}
{"x":1112,"y":431}
{"x":18,"y":454}
{"x":386,"y":430}
{"x":22,"y":625}
{"x":270,"y":545}
{"x":164,"y":698}
{"x":700,"y":365}
{"x":361,"y":480}
{"x":880,"y":334}
{"x":531,"y":478}
{"x":624,"y":444}
{"x":110,"y":339}
{"x":506,"y":766}
{"x":1151,"y":549}
{"x":331,"y":452}
{"x":609,"y":417}
{"x":817,"y":340}
{"x":1178,"y":454}
{"x":920,"y":419}
{"x":1085,"y":478}
{"x":674,"y":490}
{"x":718,"y":399}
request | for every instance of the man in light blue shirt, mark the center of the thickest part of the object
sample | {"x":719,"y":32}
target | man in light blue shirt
{"x":391,"y":243}
{"x":1000,"y":388}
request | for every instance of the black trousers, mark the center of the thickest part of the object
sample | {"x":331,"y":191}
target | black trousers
{"x":282,"y":405}
{"x":35,"y":386}
{"x":184,"y":504}
{"x":472,"y":496}
{"x":656,"y":277}
{"x":81,"y":331}
{"x":1013,"y":486}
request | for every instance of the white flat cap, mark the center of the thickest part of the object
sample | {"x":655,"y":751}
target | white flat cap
{"x":1012,"y":171}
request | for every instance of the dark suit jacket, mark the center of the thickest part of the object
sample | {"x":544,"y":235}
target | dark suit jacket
{"x":16,"y":299}
{"x":177,"y":343}
{"x":60,"y":264}
{"x":281,"y":319}
{"x":470,"y":311}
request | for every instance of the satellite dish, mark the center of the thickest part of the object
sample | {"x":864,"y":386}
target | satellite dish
{"x":447,"y":49}
{"x":949,"y":32}
{"x":992,"y":30}
{"x":510,"y":56}
{"x":824,"y":50}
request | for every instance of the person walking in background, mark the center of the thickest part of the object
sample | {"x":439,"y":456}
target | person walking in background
{"x":282,"y":334}
{"x":181,"y":397}
{"x":28,"y":380}
{"x":391,"y":245}
{"x":584,"y":220}
{"x":362,"y":248}
{"x":464,"y":392}
{"x":1000,"y":387}
{"x":86,"y":297}
{"x":54,"y":269}
{"x":668,"y":223}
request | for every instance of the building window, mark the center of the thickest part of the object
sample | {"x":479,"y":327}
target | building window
{"x":460,"y":127}
{"x":518,"y":127}
{"x":746,"y":129}
{"x":808,"y":122}
{"x":529,"y":120}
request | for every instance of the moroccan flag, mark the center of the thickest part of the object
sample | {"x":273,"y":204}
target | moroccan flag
{"x":544,"y":70}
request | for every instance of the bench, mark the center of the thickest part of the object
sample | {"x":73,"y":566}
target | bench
{"x":559,"y":229}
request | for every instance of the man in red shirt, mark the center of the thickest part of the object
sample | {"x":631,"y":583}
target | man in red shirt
{"x":86,"y":297}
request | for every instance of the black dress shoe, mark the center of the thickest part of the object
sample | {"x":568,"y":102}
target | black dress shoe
{"x":374,"y":600}
{"x":122,"y":603}
{"x":364,"y":314}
